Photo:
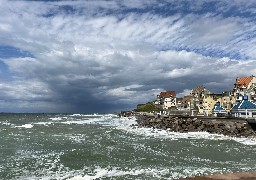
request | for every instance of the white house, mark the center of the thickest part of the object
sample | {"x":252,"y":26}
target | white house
{"x":244,"y":108}
{"x":245,"y":85}
{"x":166,"y":100}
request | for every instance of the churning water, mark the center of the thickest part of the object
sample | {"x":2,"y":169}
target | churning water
{"x":79,"y":146}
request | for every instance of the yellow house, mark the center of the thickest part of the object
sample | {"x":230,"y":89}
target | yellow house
{"x":209,"y":100}
{"x":227,"y":102}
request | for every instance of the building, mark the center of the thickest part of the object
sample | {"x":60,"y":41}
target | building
{"x":166,"y":100}
{"x":218,"y":110}
{"x":245,"y":108}
{"x":196,"y":102}
{"x":245,"y":85}
{"x":179,"y":104}
{"x":209,"y":101}
{"x":187,"y":102}
{"x":227,"y":100}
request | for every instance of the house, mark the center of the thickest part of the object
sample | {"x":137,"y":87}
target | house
{"x":179,"y":104}
{"x":227,"y":100}
{"x":196,"y":102}
{"x":166,"y":100}
{"x":186,"y":102}
{"x":209,"y":101}
{"x":218,"y":110}
{"x":202,"y":101}
{"x":245,"y":85}
{"x":245,"y":108}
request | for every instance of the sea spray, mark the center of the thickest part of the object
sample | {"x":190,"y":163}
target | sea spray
{"x":89,"y":146}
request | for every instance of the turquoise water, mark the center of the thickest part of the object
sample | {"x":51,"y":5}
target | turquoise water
{"x":79,"y":146}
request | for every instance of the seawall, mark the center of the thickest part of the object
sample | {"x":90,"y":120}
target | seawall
{"x":226,"y":126}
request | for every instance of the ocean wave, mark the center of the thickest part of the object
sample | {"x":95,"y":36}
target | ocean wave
{"x":27,"y":126}
{"x":147,"y":173}
{"x":86,"y":115}
{"x":56,"y":118}
{"x":125,"y":124}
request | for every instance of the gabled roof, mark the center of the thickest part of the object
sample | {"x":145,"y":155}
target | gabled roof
{"x":167,"y":94}
{"x":243,"y":81}
{"x":198,"y":89}
{"x":218,"y":108}
{"x":244,"y":104}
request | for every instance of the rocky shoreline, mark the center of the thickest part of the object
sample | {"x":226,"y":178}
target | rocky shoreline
{"x":226,"y":126}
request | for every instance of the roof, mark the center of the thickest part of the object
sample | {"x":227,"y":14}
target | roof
{"x":218,"y":108}
{"x":198,"y":89}
{"x":244,"y":104}
{"x":243,"y":81}
{"x":167,"y":94}
{"x":186,"y":99}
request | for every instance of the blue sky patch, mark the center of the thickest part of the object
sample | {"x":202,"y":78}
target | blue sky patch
{"x":4,"y":72}
{"x":12,"y":52}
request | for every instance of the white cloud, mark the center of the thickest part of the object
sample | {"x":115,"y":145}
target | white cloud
{"x":185,"y":92}
{"x":212,"y":30}
{"x":123,"y":91}
{"x":83,"y":57}
{"x":22,"y":90}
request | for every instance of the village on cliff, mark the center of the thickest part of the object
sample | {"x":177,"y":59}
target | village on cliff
{"x":238,"y":102}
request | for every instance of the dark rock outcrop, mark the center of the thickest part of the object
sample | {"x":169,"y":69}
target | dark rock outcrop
{"x":230,"y":127}
{"x":126,"y":114}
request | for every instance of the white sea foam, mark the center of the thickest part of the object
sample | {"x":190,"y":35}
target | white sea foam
{"x":76,"y":115}
{"x":246,"y":141}
{"x":79,"y":122}
{"x":148,"y":173}
{"x":125,"y":124}
{"x":44,"y":123}
{"x":80,"y":119}
{"x":93,"y":119}
{"x":56,"y":118}
{"x":6,"y":123}
{"x":27,"y":126}
{"x":85,"y":115}
{"x":51,"y":161}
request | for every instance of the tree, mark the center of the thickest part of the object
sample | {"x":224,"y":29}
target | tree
{"x":148,"y":107}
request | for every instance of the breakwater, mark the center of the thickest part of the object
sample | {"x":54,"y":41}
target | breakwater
{"x":226,"y":126}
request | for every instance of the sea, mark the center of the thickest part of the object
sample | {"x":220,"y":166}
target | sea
{"x":105,"y":146}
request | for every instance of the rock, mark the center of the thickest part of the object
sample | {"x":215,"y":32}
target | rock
{"x":178,"y":124}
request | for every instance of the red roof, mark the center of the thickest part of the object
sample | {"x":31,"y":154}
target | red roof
{"x":243,"y":81}
{"x":168,"y":94}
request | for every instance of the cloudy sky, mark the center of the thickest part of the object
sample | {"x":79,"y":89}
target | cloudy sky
{"x":106,"y":56}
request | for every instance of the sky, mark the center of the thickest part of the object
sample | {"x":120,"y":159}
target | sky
{"x":110,"y":55}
